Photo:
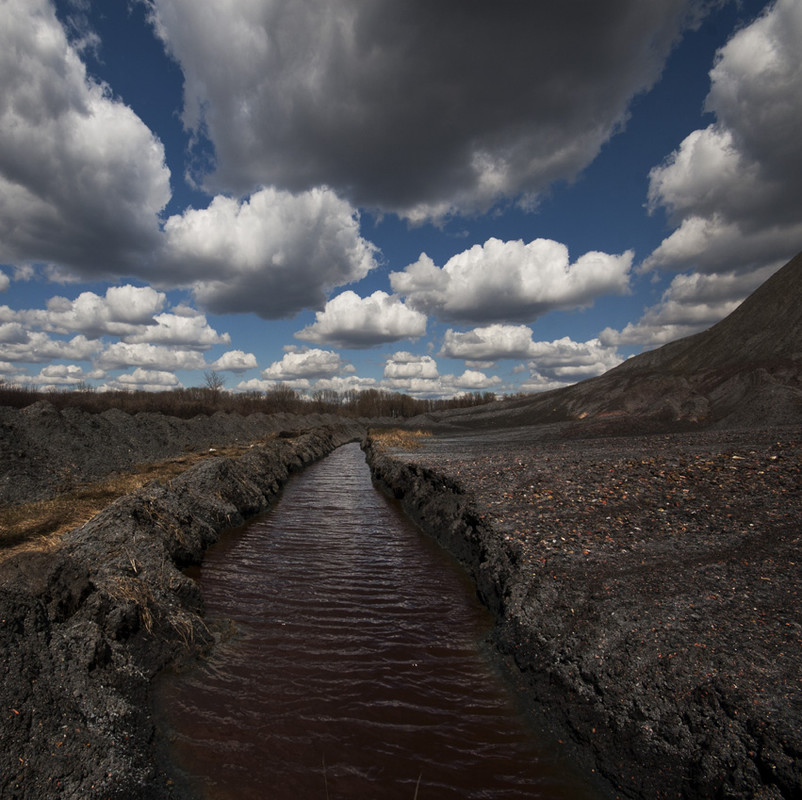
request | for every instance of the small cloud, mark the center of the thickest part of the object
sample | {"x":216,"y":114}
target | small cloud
{"x":121,"y":355}
{"x":235,"y":361}
{"x":305,"y":364}
{"x":144,"y":380}
{"x":349,"y":320}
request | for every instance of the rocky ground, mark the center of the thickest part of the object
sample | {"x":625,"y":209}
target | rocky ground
{"x":44,"y":452}
{"x":645,"y":587}
{"x":85,"y":627}
{"x":646,"y":590}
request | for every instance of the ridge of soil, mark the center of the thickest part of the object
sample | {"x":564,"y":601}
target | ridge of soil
{"x":45,"y":452}
{"x":85,"y":627}
{"x":645,"y":590}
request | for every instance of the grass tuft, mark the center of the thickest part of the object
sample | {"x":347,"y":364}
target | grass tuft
{"x":398,"y":438}
{"x":40,"y":525}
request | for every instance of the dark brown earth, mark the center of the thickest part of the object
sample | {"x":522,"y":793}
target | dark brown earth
{"x":645,"y":587}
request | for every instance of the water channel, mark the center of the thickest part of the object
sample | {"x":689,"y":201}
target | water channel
{"x":356,"y":668}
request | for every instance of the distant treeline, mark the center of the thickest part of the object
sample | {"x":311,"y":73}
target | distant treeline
{"x":188,"y":403}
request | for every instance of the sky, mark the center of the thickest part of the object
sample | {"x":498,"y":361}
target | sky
{"x":431,"y":197}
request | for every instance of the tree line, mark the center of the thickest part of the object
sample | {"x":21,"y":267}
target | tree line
{"x":213,"y":398}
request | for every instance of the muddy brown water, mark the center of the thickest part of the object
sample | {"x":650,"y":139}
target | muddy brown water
{"x":357,"y":667}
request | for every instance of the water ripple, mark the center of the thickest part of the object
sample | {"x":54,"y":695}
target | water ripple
{"x":356,"y":669}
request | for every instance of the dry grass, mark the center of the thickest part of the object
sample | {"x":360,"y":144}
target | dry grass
{"x":398,"y":439}
{"x":41,"y":524}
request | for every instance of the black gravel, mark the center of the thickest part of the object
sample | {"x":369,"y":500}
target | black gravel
{"x":646,"y":590}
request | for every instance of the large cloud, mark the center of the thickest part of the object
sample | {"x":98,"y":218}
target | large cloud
{"x":82,"y":178}
{"x":349,"y":320}
{"x":122,"y":311}
{"x":273,"y":254}
{"x":412,"y":105}
{"x":121,"y":355}
{"x":732,"y":189}
{"x":510,"y":281}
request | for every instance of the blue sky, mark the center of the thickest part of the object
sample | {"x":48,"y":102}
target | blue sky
{"x":422,"y":197}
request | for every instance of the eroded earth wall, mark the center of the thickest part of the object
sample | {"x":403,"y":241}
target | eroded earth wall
{"x":84,"y":629}
{"x":668,"y":666}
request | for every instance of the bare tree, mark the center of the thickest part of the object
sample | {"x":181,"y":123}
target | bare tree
{"x":214,"y":382}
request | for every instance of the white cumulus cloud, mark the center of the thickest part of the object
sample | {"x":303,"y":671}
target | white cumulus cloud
{"x":121,"y":355}
{"x":692,"y":303}
{"x":62,"y":375}
{"x":235,"y":361}
{"x":308,"y":364}
{"x":418,"y":375}
{"x":187,"y":329}
{"x":37,"y":347}
{"x":510,"y":281}
{"x":273,"y":254}
{"x":82,"y":178}
{"x":732,"y":189}
{"x":488,"y":343}
{"x":122,"y":311}
{"x":144,"y":380}
{"x":349,"y":320}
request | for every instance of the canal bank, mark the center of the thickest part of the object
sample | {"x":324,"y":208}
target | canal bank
{"x":85,"y":627}
{"x":355,"y":663}
{"x":645,"y":591}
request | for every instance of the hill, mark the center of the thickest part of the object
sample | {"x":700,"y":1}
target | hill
{"x":744,"y":371}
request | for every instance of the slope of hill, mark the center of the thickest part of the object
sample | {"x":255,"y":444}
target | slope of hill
{"x":746,"y":370}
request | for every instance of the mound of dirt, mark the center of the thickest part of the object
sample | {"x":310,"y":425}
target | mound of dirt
{"x":44,"y":452}
{"x":745,"y":371}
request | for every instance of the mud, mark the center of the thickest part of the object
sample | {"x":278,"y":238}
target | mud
{"x":84,"y":629}
{"x":645,"y":590}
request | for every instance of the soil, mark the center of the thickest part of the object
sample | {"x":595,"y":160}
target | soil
{"x":85,"y":627}
{"x":644,"y":585}
{"x":645,"y":589}
{"x":45,"y":452}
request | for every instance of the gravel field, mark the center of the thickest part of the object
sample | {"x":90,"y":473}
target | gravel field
{"x":648,"y":591}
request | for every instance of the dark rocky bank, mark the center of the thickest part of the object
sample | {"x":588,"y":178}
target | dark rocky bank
{"x":44,"y":451}
{"x":84,"y":628}
{"x":645,"y":590}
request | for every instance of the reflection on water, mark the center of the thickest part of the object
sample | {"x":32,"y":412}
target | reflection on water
{"x":356,"y":670}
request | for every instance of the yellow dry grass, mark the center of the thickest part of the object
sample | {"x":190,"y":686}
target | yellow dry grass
{"x":398,"y":438}
{"x":41,"y":524}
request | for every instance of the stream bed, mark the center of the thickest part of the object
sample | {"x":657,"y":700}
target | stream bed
{"x":355,"y":663}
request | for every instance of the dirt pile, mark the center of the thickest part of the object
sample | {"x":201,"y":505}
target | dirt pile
{"x":44,"y":452}
{"x":744,"y":371}
{"x":85,"y":628}
{"x":645,"y":590}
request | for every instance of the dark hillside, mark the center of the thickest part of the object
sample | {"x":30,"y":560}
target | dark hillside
{"x":765,"y":328}
{"x":744,"y":371}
